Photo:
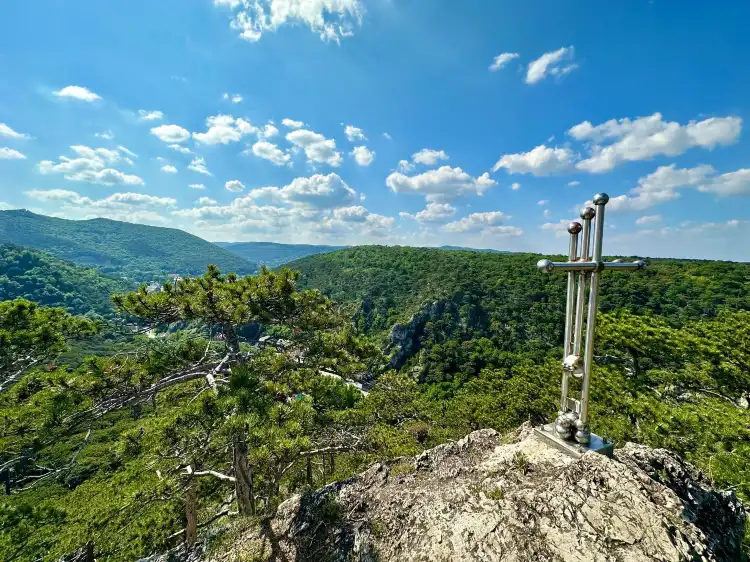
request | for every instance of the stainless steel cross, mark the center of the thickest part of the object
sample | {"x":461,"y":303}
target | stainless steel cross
{"x":584,"y":268}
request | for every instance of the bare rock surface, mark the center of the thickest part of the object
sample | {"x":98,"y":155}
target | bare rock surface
{"x":517,"y":499}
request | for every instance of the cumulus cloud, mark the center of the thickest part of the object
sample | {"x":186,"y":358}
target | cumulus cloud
{"x":363,"y":155}
{"x":106,"y":135}
{"x":145,"y":115}
{"x":330,"y":19}
{"x":198,"y":164}
{"x":180,"y":148}
{"x":235,"y":186}
{"x":489,"y":223}
{"x":318,"y":149}
{"x":501,"y":60}
{"x":197,"y":186}
{"x":428,"y":157}
{"x":10,"y":154}
{"x":92,"y":165}
{"x":78,"y":93}
{"x":441,"y":185}
{"x":354,"y":133}
{"x":169,"y":169}
{"x":404,"y":166}
{"x":267,"y":132}
{"x":732,"y":183}
{"x":435,"y":212}
{"x":223,"y":129}
{"x":560,"y":228}
{"x":317,"y":191}
{"x":8,"y":133}
{"x":541,"y":161}
{"x":515,"y":186}
{"x":292,"y":124}
{"x":206,"y":201}
{"x":133,"y":207}
{"x":356,"y":220}
{"x":617,"y":141}
{"x":270,"y":152}
{"x":554,"y":63}
{"x":171,"y":133}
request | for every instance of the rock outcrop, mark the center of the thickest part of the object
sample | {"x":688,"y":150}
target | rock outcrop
{"x":514,"y":499}
{"x":403,"y":341}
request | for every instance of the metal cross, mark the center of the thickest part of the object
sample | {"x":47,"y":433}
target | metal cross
{"x":584,"y":268}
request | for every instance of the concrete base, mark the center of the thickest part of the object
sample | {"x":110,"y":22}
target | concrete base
{"x":548,"y":434}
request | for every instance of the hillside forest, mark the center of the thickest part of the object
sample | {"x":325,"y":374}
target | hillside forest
{"x":219,"y":395}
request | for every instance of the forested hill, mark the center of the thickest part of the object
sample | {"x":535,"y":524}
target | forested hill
{"x":462,"y":297}
{"x":139,"y":252}
{"x":49,"y":281}
{"x":272,"y":254}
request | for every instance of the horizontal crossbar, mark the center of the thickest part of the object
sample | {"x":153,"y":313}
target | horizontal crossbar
{"x":548,"y":266}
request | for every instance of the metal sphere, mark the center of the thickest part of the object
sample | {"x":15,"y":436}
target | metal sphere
{"x":580,"y":425}
{"x":618,"y":260}
{"x":572,"y":418}
{"x":574,"y":227}
{"x":583,"y":438}
{"x":588,"y":213}
{"x":601,"y":199}
{"x":545,"y":266}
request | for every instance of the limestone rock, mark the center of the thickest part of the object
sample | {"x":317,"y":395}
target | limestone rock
{"x":485,"y":498}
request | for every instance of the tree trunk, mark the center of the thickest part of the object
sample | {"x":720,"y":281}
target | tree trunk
{"x":309,"y":472}
{"x":333,"y":463}
{"x":636,"y":363}
{"x":191,"y":510}
{"x":230,"y":336}
{"x":243,"y":484}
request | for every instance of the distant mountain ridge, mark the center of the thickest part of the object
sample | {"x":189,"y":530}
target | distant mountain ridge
{"x":139,"y":252}
{"x":273,"y":254}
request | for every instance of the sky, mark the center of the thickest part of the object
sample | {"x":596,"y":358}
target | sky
{"x":486,"y":124}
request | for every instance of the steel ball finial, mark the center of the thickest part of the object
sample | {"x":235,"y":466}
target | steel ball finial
{"x":588,"y":213}
{"x":601,"y":199}
{"x":545,"y":266}
{"x":574,"y":227}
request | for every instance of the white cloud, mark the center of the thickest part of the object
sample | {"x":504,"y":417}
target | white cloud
{"x":145,"y":115}
{"x":732,"y":183}
{"x":330,"y":19}
{"x":236,"y":98}
{"x":292,"y":124}
{"x":197,"y":186}
{"x":317,"y":191}
{"x":429,"y":157}
{"x":270,"y":152}
{"x":646,"y":137}
{"x":404,"y":166}
{"x":169,"y":169}
{"x":547,"y":213}
{"x":648,"y":219}
{"x":560,"y":228}
{"x":171,"y":133}
{"x":198,"y":164}
{"x":541,"y":161}
{"x":132,"y":207}
{"x":7,"y":132}
{"x":357,"y":220}
{"x":10,"y":154}
{"x":91,"y":165}
{"x":77,"y":92}
{"x":179,"y":148}
{"x":489,"y":223}
{"x":6,"y":206}
{"x":542,"y":202}
{"x":354,"y":133}
{"x":574,"y":183}
{"x":441,"y":185}
{"x":317,"y":148}
{"x":128,"y":152}
{"x":206,"y":201}
{"x":267,"y":132}
{"x":235,"y":186}
{"x":501,"y":60}
{"x":515,"y":186}
{"x":435,"y":212}
{"x":223,"y":129}
{"x":363,"y":155}
{"x":386,"y":136}
{"x":551,"y":64}
{"x":106,"y":135}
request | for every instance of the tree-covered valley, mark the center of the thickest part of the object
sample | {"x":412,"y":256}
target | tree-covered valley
{"x":231,"y":393}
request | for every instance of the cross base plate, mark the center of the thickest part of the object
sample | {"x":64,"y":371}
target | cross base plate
{"x":571,"y":448}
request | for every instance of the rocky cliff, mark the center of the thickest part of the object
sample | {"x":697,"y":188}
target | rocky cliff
{"x":513,"y":499}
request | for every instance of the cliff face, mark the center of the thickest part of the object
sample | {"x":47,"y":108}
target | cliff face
{"x":483,"y":498}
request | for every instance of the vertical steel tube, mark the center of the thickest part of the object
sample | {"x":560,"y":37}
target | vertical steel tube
{"x":583,"y":435}
{"x":574,"y":229}
{"x":586,"y":214}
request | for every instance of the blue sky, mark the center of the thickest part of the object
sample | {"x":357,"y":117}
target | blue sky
{"x":483,"y":124}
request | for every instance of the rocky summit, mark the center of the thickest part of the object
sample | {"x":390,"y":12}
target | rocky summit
{"x":486,"y":497}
